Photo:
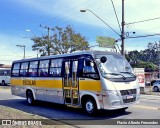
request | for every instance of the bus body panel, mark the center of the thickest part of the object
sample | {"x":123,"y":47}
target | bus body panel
{"x":70,"y":88}
{"x":43,"y":89}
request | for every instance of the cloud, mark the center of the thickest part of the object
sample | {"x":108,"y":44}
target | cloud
{"x":134,"y":10}
{"x":10,"y":52}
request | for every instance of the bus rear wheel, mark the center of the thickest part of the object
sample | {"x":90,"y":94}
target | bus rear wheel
{"x":90,"y":107}
{"x":30,"y":98}
{"x":3,"y":83}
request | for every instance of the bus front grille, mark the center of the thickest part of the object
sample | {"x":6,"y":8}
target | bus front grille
{"x":128,"y":92}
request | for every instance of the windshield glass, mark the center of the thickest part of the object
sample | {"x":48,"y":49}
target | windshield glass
{"x":116,"y":66}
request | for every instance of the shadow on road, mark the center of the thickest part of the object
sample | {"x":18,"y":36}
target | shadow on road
{"x":59,"y":112}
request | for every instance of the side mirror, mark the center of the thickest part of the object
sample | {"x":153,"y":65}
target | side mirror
{"x":103,"y":59}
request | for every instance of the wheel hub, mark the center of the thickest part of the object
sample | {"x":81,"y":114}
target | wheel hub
{"x":89,"y":106}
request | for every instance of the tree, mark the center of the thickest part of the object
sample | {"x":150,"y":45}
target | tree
{"x":63,"y":40}
{"x":147,"y":65}
{"x":148,"y":58}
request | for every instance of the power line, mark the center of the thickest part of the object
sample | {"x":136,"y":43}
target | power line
{"x":143,"y":36}
{"x":142,"y":21}
{"x":116,"y":15}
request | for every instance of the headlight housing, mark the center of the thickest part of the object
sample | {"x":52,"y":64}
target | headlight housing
{"x":112,"y":92}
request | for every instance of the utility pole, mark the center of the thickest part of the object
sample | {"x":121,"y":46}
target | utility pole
{"x":122,"y":33}
{"x":49,"y":44}
{"x":22,"y":46}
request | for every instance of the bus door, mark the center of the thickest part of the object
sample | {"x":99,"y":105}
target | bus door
{"x":70,"y":82}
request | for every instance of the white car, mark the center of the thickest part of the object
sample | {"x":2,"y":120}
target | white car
{"x":156,"y":86}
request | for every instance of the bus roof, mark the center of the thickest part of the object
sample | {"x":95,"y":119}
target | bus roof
{"x":66,"y":55}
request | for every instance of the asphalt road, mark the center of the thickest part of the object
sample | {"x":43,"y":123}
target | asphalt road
{"x":148,"y":108}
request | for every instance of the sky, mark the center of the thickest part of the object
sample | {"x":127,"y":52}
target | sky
{"x":19,"y":16}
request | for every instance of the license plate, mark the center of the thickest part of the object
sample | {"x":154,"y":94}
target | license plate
{"x":129,"y":97}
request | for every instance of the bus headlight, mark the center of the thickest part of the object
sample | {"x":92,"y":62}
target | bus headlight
{"x":113,"y":92}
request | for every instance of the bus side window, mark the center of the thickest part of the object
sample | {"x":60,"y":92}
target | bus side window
{"x":1,"y":72}
{"x":55,"y":68}
{"x":43,"y":68}
{"x":15,"y":70}
{"x":33,"y":68}
{"x":24,"y":69}
{"x":87,"y":68}
{"x":5,"y":73}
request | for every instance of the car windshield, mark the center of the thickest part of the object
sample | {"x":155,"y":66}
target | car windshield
{"x":116,"y":66}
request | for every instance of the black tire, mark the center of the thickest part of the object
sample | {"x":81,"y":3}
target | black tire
{"x":3,"y":83}
{"x":156,"y":89}
{"x":30,"y":98}
{"x":90,"y":107}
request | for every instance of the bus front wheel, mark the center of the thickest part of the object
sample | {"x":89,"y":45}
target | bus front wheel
{"x":30,"y":98}
{"x":90,"y":107}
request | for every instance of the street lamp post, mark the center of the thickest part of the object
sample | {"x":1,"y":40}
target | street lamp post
{"x":122,"y":37}
{"x":84,"y":10}
{"x":22,"y":46}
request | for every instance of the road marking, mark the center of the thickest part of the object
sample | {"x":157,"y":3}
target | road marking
{"x":145,"y":107}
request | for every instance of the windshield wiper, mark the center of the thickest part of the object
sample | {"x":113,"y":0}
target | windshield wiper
{"x":117,"y":74}
{"x":129,"y":73}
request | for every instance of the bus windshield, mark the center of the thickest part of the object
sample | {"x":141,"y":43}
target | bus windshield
{"x":115,"y":67}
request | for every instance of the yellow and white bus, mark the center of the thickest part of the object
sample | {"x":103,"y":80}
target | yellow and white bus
{"x":92,"y":80}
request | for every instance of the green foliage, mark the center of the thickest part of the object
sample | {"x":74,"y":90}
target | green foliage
{"x":146,"y":65}
{"x":63,"y":40}
{"x":148,"y":58}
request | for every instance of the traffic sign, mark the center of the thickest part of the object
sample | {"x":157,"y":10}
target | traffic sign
{"x":107,"y":42}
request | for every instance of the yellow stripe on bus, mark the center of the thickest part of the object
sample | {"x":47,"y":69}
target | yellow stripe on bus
{"x":86,"y":85}
{"x":90,"y":85}
{"x":37,"y":83}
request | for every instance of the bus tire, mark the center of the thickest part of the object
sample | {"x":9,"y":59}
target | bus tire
{"x":90,"y":107}
{"x":30,"y":98}
{"x":3,"y":83}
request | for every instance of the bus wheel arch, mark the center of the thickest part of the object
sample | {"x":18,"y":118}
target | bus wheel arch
{"x":30,"y":97}
{"x":89,"y":104}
